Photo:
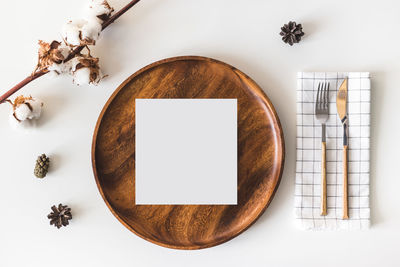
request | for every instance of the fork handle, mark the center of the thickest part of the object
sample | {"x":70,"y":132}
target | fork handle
{"x":323,"y":180}
{"x":345,"y":186}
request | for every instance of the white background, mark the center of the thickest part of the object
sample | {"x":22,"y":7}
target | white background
{"x":341,"y":35}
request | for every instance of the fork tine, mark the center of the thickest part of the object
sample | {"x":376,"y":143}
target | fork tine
{"x":324,"y":98}
{"x":327,"y":97}
{"x":317,"y":99}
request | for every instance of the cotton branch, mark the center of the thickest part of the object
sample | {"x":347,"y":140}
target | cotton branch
{"x":75,"y":52}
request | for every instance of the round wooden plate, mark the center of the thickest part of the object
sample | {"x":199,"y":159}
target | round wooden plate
{"x":260,"y":153}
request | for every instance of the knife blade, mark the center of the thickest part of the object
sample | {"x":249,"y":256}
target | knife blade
{"x":341,"y":105}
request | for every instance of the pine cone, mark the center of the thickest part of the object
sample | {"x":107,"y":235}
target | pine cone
{"x":60,"y":215}
{"x":42,"y":166}
{"x":291,"y":33}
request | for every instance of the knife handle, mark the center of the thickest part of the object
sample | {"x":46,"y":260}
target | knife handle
{"x":345,"y":186}
{"x":323,"y":180}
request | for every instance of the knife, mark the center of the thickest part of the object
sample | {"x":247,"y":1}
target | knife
{"x":341,"y":105}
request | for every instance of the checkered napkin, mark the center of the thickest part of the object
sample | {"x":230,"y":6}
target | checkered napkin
{"x":308,"y":164}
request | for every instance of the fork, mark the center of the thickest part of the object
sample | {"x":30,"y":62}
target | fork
{"x":322,"y":114}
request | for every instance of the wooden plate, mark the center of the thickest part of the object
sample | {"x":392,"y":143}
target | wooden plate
{"x":260,"y":153}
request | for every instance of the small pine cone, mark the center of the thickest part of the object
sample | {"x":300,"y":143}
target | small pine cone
{"x":291,"y":33}
{"x":60,"y":215}
{"x":42,"y":166}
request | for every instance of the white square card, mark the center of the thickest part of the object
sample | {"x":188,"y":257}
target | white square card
{"x":186,"y":151}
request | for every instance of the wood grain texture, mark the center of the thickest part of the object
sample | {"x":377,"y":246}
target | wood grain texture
{"x":323,"y":181}
{"x":345,"y":185}
{"x":260,"y":153}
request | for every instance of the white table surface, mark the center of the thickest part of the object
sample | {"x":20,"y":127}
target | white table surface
{"x":340,"y":36}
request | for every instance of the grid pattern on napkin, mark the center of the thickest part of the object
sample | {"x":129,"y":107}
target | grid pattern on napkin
{"x":308,"y":164}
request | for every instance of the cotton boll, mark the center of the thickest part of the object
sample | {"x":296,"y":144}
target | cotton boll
{"x":86,"y":70}
{"x":22,"y":112}
{"x":59,"y":67}
{"x":72,"y":31}
{"x":29,"y":110}
{"x":26,"y":108}
{"x":99,"y":9}
{"x":85,"y":76}
{"x":71,"y":34}
{"x":36,"y":106}
{"x":82,"y":32}
{"x":63,"y":68}
{"x":82,"y":76}
{"x":91,"y":30}
{"x":50,"y":53}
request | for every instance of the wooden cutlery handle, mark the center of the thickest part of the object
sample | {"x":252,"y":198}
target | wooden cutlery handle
{"x":323,"y":181}
{"x":345,"y":186}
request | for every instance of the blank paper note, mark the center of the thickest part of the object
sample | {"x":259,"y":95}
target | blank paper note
{"x":186,"y":151}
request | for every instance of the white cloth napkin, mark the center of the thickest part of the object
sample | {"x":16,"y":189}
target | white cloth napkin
{"x":308,"y":164}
